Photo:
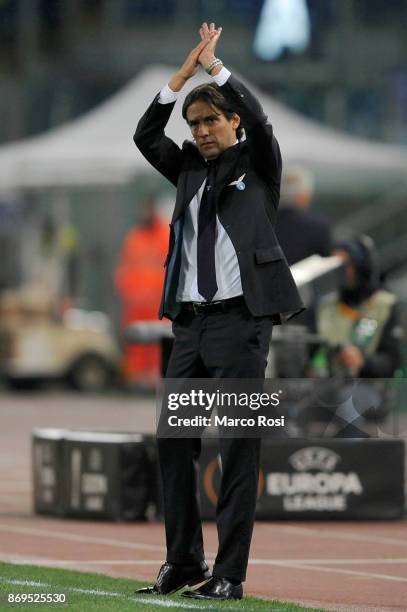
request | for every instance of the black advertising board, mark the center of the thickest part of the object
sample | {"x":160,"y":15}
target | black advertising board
{"x":319,"y":479}
{"x":115,"y":476}
{"x":94,"y":474}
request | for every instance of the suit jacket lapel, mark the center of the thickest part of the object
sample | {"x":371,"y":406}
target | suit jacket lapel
{"x":188,"y":185}
{"x":227,"y":163}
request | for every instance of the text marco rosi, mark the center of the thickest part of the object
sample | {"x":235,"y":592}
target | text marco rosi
{"x":208,"y":401}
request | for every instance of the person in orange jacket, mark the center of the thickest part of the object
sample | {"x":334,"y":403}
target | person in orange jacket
{"x":138,"y":279}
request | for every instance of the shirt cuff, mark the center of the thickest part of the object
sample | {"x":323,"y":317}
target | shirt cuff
{"x":167,"y":96}
{"x":222,"y":76}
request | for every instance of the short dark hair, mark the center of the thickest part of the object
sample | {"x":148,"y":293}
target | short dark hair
{"x":211,"y":94}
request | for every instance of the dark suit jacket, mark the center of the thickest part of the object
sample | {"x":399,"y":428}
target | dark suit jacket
{"x":247,"y":215}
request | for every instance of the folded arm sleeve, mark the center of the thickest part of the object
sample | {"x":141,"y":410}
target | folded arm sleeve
{"x":263,"y":146}
{"x":162,"y":152}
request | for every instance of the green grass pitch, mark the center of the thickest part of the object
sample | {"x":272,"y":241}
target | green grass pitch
{"x":94,"y":592}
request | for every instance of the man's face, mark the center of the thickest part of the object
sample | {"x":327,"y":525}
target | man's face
{"x":212,"y":131}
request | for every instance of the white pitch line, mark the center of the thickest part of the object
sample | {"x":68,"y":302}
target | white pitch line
{"x":45,"y":533}
{"x":304,"y":563}
{"x":370,"y":561}
{"x":109,"y":562}
{"x":164,"y":603}
{"x":24,"y":560}
{"x":333,"y":570}
{"x":20,"y":560}
{"x":308,"y":532}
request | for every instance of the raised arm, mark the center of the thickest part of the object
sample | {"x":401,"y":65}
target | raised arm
{"x":264,"y":148}
{"x":162,"y":152}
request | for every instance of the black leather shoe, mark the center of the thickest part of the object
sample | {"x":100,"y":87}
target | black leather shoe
{"x":171,"y":578}
{"x":216,"y":588}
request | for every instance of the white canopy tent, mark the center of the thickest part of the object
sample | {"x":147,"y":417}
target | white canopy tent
{"x":97,"y":149}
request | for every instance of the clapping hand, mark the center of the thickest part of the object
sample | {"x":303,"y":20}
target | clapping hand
{"x":203,"y":54}
{"x":211,"y":35}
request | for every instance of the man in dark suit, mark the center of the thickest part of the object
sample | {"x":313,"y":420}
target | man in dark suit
{"x":226,"y":283}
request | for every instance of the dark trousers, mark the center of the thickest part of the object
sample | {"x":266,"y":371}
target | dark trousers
{"x":231,"y":344}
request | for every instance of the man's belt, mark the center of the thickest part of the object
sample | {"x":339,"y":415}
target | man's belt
{"x":212,"y":307}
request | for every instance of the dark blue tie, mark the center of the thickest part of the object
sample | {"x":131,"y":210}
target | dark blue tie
{"x":207,"y":286}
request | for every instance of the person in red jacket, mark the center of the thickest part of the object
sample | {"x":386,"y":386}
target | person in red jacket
{"x":138,"y":279}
